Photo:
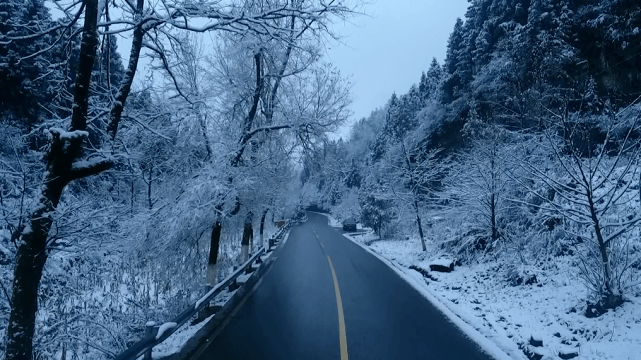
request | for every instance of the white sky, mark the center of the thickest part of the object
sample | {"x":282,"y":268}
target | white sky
{"x":387,"y":51}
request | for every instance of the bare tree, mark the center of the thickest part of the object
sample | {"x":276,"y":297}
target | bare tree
{"x":593,"y":190}
{"x":281,"y":99}
{"x":478,"y":185}
{"x":66,"y":157}
{"x":412,"y":173}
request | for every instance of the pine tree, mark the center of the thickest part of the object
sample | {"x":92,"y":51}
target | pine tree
{"x":429,"y":86}
{"x":608,"y":35}
{"x":27,"y":80}
{"x":453,"y":85}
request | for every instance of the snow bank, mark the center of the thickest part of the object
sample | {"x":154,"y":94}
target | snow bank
{"x":176,"y":341}
{"x":483,"y":303}
{"x":164,"y":327}
{"x":498,"y":347}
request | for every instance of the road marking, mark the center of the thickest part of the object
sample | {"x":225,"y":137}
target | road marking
{"x":341,"y":317}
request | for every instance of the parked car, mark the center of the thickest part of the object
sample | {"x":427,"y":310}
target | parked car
{"x":349,"y":224}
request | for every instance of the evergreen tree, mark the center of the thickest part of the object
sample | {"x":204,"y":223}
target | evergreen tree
{"x":453,"y":84}
{"x":28,"y":80}
{"x":608,"y":35}
{"x":431,"y":82}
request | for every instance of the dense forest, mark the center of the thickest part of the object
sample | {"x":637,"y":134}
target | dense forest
{"x":522,"y":145}
{"x":109,"y":187}
{"x":521,"y":148}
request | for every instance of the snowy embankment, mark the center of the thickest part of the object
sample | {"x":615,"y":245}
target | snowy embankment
{"x":177,"y":341}
{"x":549,"y":308}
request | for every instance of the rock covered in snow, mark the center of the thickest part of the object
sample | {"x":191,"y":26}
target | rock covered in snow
{"x":567,"y":352}
{"x":536,"y":340}
{"x":537,"y":353}
{"x":442,"y":265}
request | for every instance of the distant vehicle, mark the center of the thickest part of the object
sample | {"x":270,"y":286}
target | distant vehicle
{"x":349,"y":224}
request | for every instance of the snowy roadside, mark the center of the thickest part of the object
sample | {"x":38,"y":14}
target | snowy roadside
{"x":176,"y":342}
{"x":479,"y":300}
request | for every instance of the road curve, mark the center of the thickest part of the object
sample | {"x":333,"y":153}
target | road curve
{"x":326,"y":298}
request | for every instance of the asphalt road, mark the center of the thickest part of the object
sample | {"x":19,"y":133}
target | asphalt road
{"x":326,"y":298}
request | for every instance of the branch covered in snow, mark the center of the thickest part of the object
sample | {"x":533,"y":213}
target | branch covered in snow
{"x":84,"y":168}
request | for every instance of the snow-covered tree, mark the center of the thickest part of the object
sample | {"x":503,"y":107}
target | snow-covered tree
{"x":592,"y":186}
{"x":479,"y":183}
{"x":66,"y":157}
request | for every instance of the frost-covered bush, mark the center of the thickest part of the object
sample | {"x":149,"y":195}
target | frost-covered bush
{"x":519,"y":274}
{"x":591,"y":185}
{"x":349,"y":207}
{"x":378,"y":214}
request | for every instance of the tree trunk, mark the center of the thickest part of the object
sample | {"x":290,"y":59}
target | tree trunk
{"x":63,"y":152}
{"x":133,"y":194}
{"x":248,"y":234}
{"x":493,"y":197}
{"x":420,"y":226}
{"x":249,"y":120}
{"x":203,"y":128}
{"x":495,"y":233}
{"x":151,"y":172}
{"x":30,"y":260}
{"x":262,"y":228}
{"x":121,"y":98}
{"x":32,"y":250}
{"x":212,"y":264}
{"x":610,"y":289}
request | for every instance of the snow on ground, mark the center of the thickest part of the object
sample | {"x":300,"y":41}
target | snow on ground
{"x":551,"y":309}
{"x":177,"y":340}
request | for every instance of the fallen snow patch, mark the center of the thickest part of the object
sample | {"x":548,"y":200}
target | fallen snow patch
{"x":69,"y":135}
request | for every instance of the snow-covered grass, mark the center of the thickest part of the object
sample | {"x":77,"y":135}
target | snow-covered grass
{"x":552,"y":308}
{"x":177,"y":340}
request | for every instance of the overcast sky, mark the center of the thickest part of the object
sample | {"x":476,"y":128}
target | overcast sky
{"x":387,"y":51}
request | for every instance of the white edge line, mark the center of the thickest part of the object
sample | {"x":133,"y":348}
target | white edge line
{"x":487,"y":342}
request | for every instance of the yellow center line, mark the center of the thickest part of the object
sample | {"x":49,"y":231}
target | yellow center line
{"x":341,"y":318}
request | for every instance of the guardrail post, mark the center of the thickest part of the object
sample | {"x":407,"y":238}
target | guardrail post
{"x":149,"y":333}
{"x":250,"y":269}
{"x":234,"y":285}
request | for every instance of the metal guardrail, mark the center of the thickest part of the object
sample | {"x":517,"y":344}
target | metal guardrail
{"x":155,"y":334}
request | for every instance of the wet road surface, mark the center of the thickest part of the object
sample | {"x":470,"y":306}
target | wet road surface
{"x":326,"y":298}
